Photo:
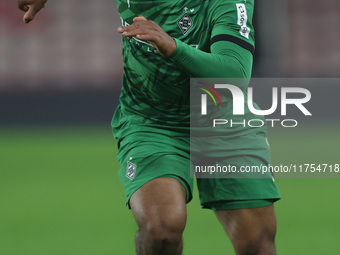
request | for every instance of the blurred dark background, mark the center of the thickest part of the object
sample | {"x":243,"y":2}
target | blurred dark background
{"x":65,"y":67}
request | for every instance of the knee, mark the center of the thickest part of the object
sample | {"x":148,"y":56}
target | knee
{"x":266,"y":247}
{"x":162,"y":235}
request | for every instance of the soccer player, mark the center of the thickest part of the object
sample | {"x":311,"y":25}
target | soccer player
{"x":165,"y":43}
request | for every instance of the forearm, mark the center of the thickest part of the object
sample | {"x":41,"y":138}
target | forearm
{"x":226,"y":60}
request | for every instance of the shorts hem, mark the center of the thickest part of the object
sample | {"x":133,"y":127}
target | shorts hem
{"x":238,"y":204}
{"x":185,"y":184}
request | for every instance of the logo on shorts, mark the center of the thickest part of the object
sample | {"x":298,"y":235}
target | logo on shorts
{"x":185,"y":22}
{"x":131,"y":170}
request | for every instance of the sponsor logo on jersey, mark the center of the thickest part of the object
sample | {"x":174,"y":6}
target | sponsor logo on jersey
{"x":242,"y":20}
{"x":185,"y":22}
{"x":131,"y":170}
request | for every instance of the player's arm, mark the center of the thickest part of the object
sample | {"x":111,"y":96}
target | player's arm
{"x":231,"y":45}
{"x":226,"y":60}
{"x":31,"y":8}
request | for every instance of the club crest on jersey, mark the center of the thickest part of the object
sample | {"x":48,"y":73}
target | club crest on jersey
{"x":185,"y":22}
{"x":131,"y":170}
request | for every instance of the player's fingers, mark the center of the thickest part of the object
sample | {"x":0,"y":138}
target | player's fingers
{"x":23,"y":5}
{"x":139,"y":18}
{"x":30,"y":14}
{"x":136,"y":31}
{"x":131,"y":33}
{"x":129,"y":30}
{"x":25,"y":8}
{"x":32,"y":11}
{"x":147,"y":37}
{"x":137,"y":27}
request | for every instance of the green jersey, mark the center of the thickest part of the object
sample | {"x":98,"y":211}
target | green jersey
{"x":155,"y":90}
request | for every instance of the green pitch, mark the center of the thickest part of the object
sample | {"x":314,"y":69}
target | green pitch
{"x":60,"y":195}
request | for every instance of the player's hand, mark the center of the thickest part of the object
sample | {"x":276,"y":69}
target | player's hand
{"x":31,"y":8}
{"x":148,"y":30}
